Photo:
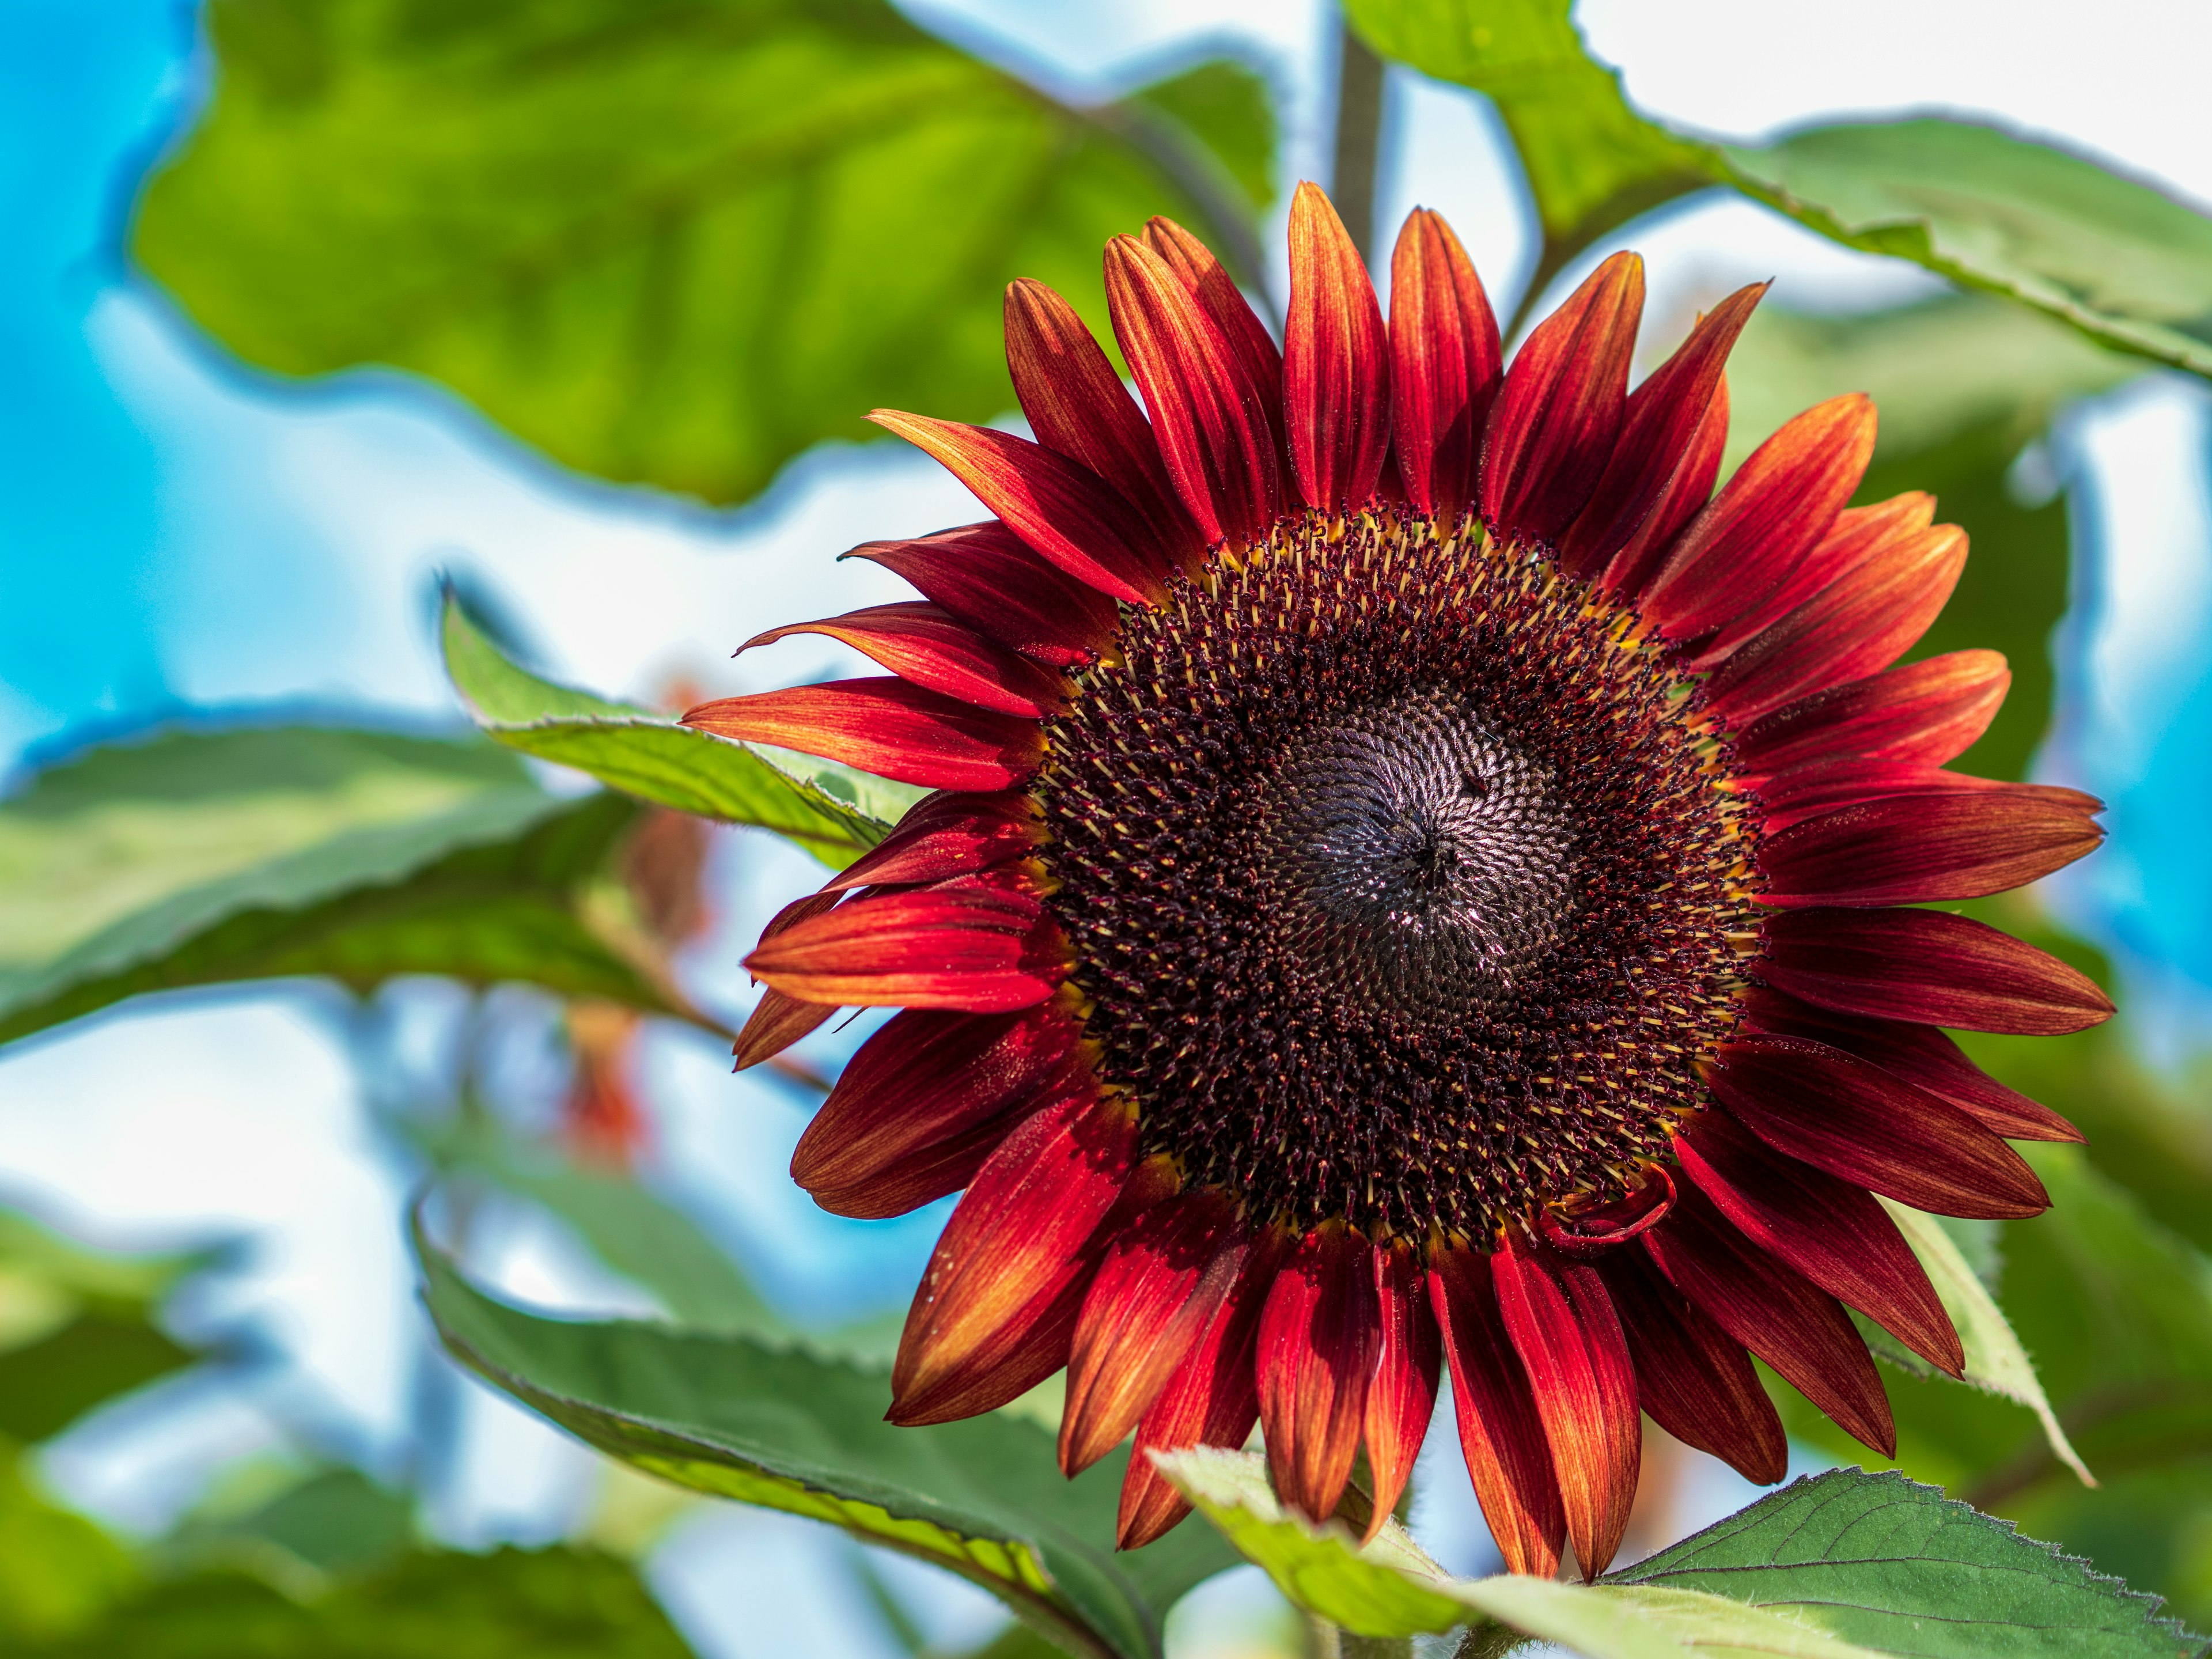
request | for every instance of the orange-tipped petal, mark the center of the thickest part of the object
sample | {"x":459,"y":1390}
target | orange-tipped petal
{"x":1159,"y":1287}
{"x":987,"y":577}
{"x":1660,"y":437}
{"x":1445,"y":366}
{"x":1552,"y":427}
{"x":1807,"y":791}
{"x":886,"y":727}
{"x":1927,"y":967}
{"x":1508,"y":1457}
{"x":1563,"y":1326}
{"x":1067,"y":513}
{"x":1630,"y":570}
{"x":1076,"y":405}
{"x":1859,"y":534}
{"x":776,"y":1022}
{"x":1402,"y":1397}
{"x":1929,"y":710}
{"x":1873,"y":1129}
{"x":1917,"y":849}
{"x":1251,"y":347}
{"x":1827,"y":1229}
{"x":925,"y":1101}
{"x":1317,"y":1340}
{"x":980,"y":949}
{"x":1336,"y":362}
{"x":1778,"y":1313}
{"x":923,"y":645}
{"x":1695,"y":1380}
{"x":946,"y":835}
{"x":1015,"y":1240}
{"x":1767,"y":518}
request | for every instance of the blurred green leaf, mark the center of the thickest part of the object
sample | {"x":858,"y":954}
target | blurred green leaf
{"x":47,"y":1385}
{"x":57,"y":1571}
{"x":788,"y":1430}
{"x":2117,"y":258}
{"x":668,"y":241}
{"x":834,"y":811}
{"x":197,"y":859}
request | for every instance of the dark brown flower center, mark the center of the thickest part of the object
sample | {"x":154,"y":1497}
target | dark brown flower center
{"x":1401,"y":882}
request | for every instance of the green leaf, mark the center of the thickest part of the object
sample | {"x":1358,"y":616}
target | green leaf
{"x":335,"y":1522}
{"x":675,"y":242}
{"x":2115,"y":258}
{"x":203,"y":858}
{"x":1899,"y":1568}
{"x":58,"y":1572}
{"x":1593,"y":161}
{"x":834,"y":811}
{"x":789,"y":1429}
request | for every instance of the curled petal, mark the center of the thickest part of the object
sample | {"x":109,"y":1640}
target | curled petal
{"x":1778,"y":1313}
{"x":1564,"y":1327}
{"x":1914,"y":849}
{"x":1858,"y":625}
{"x":1445,"y":366}
{"x":1158,"y":1289}
{"x":1212,"y":425}
{"x":1659,"y":435}
{"x":1828,"y":1229}
{"x":1552,"y":427}
{"x":980,"y":949}
{"x":924,"y":1102}
{"x":1873,"y":1129}
{"x":1805,"y":791}
{"x":1251,"y":347}
{"x":776,"y":1022}
{"x":1774,"y":512}
{"x":1859,"y":534}
{"x":1926,"y":711}
{"x":1588,"y":1229}
{"x":1694,"y":1379}
{"x":1402,"y":1397}
{"x":1336,"y":362}
{"x":1066,"y":512}
{"x":923,"y":644}
{"x":886,"y":727}
{"x":1318,"y":1336}
{"x":1927,"y":967}
{"x":1076,"y":405}
{"x":992,"y":579}
{"x":1508,"y":1457}
{"x":947,"y":835}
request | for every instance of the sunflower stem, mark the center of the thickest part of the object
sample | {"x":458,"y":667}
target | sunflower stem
{"x":1331,"y":1643}
{"x":1358,"y":137}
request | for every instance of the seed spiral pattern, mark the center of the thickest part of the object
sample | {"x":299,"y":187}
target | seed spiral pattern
{"x":1401,"y":878}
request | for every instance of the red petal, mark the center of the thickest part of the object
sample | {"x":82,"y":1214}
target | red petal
{"x":1918,"y":1054}
{"x":1402,"y":1397}
{"x":1766,"y":519}
{"x":1695,"y":1380}
{"x":947,"y":835}
{"x":1805,"y":791}
{"x":1014,"y":1241}
{"x":1929,"y":711}
{"x":980,"y":949}
{"x":1776,"y":1312}
{"x":776,"y":1022}
{"x":1508,"y":1457}
{"x":1336,"y":362}
{"x":1659,"y":434}
{"x":1927,"y":967}
{"x":1553,"y":425}
{"x":1916,"y":849}
{"x":1157,"y":1290}
{"x":1564,"y":1327}
{"x":1067,"y":513}
{"x":989,"y":577}
{"x":1872,"y":1128}
{"x":922,"y":644}
{"x":1858,"y":535}
{"x":1318,"y":1335}
{"x":1858,"y":625}
{"x":1259,"y":364}
{"x":1213,"y":1399}
{"x":1828,"y":1229}
{"x":1212,"y":427}
{"x":885,"y":727}
{"x":1687,"y":492}
{"x":1445,"y":366}
{"x":923,"y":1103}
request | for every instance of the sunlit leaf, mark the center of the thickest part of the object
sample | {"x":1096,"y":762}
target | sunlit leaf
{"x":58,"y":1572}
{"x":833,"y":812}
{"x":668,"y":241}
{"x":786,"y":1429}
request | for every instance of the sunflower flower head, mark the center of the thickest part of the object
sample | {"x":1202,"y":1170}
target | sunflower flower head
{"x":1417,"y":880}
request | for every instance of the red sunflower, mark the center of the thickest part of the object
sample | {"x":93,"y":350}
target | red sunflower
{"x":1416,"y":879}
